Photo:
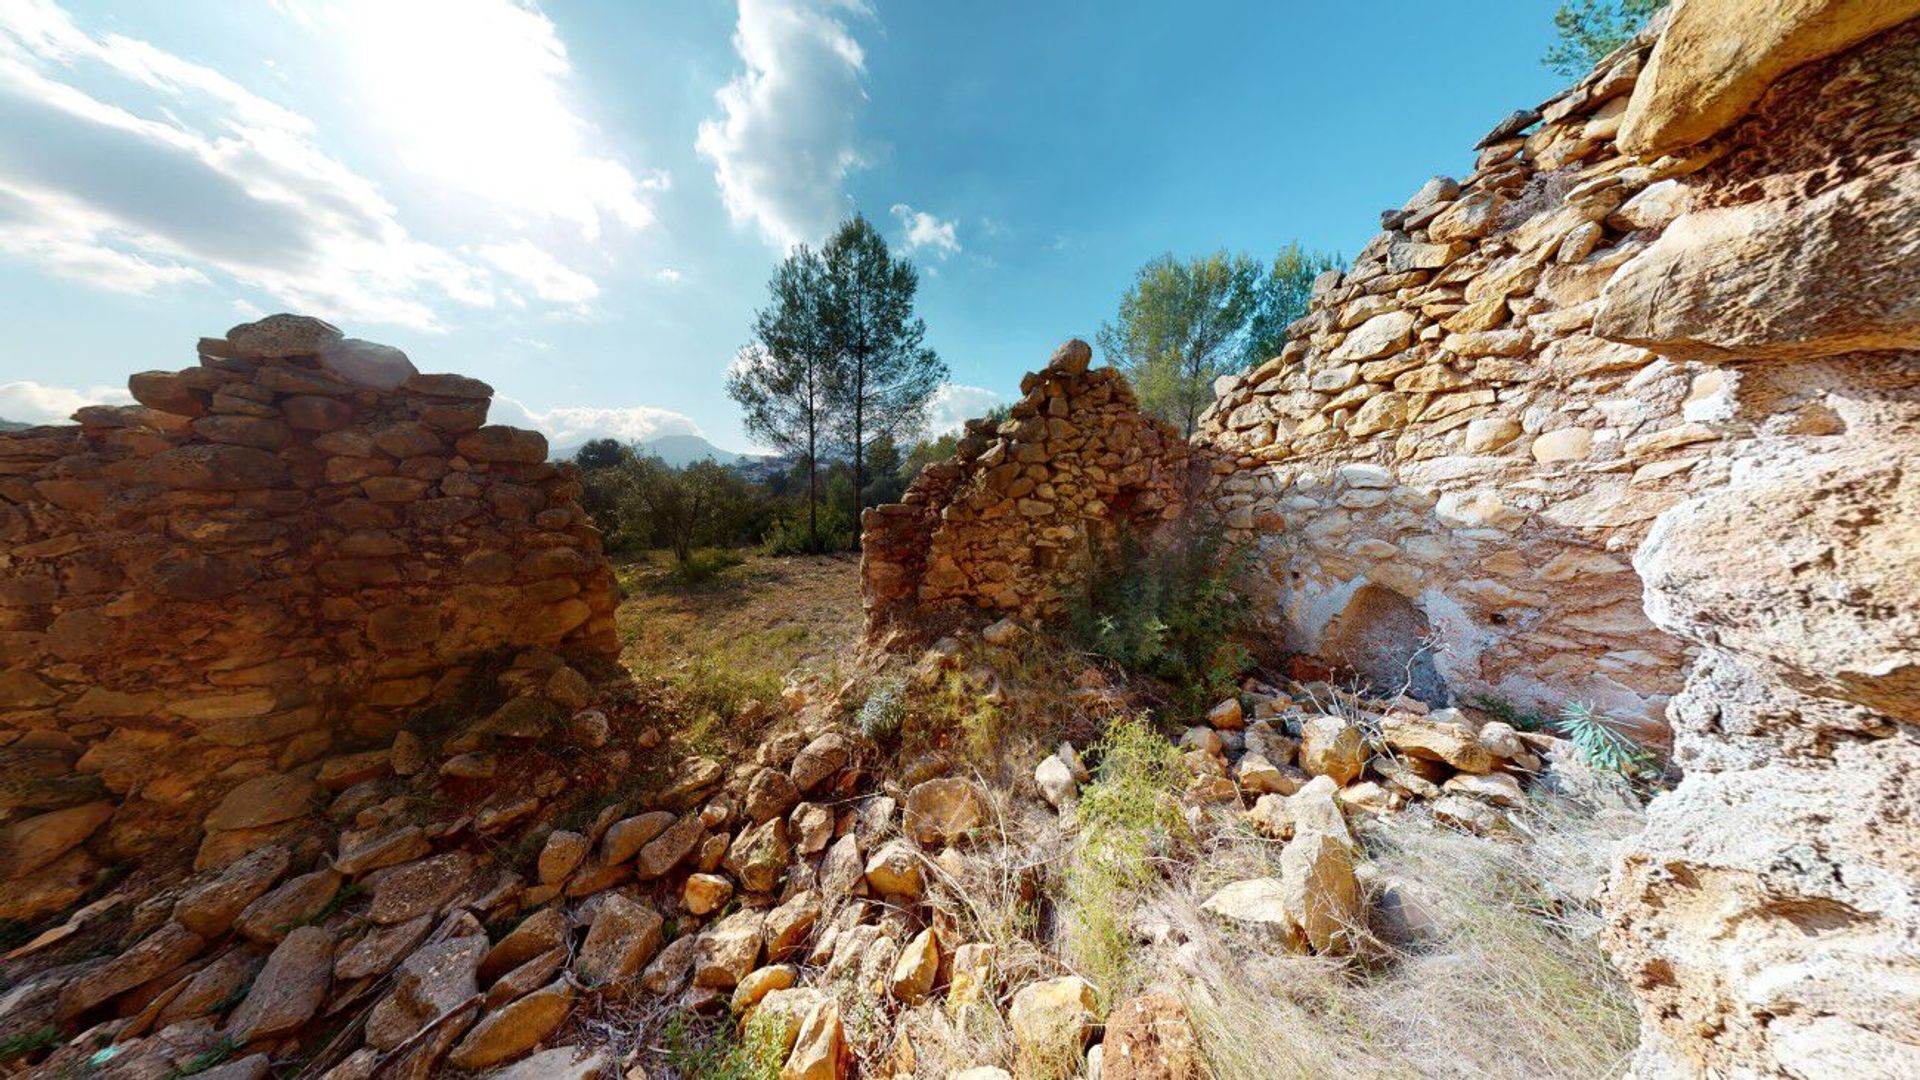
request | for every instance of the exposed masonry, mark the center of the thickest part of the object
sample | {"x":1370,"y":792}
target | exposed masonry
{"x":283,"y":551}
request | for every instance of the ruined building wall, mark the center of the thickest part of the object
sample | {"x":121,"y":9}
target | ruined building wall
{"x":1007,"y":524}
{"x":1446,"y":452}
{"x":1769,"y":914}
{"x":285,"y":550}
{"x":1631,"y":414}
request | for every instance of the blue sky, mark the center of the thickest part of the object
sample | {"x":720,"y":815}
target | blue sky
{"x":581,"y":202}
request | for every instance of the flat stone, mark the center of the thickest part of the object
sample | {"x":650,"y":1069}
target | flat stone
{"x":280,"y":336}
{"x":265,"y":800}
{"x":156,"y":954}
{"x":289,"y":990}
{"x":210,"y":906}
{"x":624,"y":936}
{"x":365,"y":363}
{"x":420,"y":888}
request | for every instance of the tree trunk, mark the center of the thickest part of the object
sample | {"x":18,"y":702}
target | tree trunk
{"x":859,"y":439}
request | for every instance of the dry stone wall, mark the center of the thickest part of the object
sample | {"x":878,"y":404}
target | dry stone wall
{"x":1009,"y":522}
{"x":1769,"y":915}
{"x":1446,"y":469}
{"x":286,"y":550}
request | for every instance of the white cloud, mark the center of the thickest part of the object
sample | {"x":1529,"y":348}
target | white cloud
{"x":669,"y":275}
{"x":535,"y":268}
{"x":568,"y":425}
{"x":135,"y":170}
{"x":786,"y":141}
{"x":954,"y":404}
{"x":38,"y":403}
{"x":927,"y":233}
{"x":475,"y":95}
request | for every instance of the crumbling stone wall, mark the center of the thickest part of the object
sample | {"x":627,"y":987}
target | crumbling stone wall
{"x":285,"y":550}
{"x":1445,"y":424}
{"x":1769,"y":915}
{"x":1009,"y":523}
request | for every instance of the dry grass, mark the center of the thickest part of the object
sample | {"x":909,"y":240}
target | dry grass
{"x":1505,"y":980}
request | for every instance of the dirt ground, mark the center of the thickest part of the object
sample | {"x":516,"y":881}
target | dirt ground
{"x":762,"y":618}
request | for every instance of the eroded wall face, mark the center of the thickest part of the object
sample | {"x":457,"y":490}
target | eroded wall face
{"x":1769,"y":916}
{"x":276,"y":555}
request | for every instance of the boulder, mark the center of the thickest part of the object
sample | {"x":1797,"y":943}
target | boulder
{"x":28,"y":845}
{"x":281,"y":336}
{"x":1051,"y":1022}
{"x":894,"y":870}
{"x":508,"y":1032}
{"x":1429,"y":739}
{"x":1717,"y":57}
{"x":914,"y":973}
{"x":820,"y":1048}
{"x":1056,"y":782}
{"x":624,"y":936}
{"x":728,"y":950}
{"x":944,"y":810}
{"x":1330,"y":746}
{"x":1149,"y":1038}
{"x":819,"y":760}
{"x":367,"y":363}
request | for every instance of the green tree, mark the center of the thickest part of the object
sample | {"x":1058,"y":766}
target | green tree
{"x":1587,"y":30}
{"x":700,"y":505}
{"x":884,"y":374}
{"x":601,"y":454}
{"x":884,"y":484}
{"x":1181,"y":325}
{"x":1282,"y":298}
{"x":784,"y":382}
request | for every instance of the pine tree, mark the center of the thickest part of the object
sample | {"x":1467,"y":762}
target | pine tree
{"x":784,"y":382}
{"x":884,"y":375}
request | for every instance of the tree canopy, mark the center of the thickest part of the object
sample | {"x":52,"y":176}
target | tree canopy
{"x":1587,"y":30}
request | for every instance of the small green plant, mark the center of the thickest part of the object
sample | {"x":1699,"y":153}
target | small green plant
{"x":1170,"y":613}
{"x":1601,"y":743}
{"x":712,"y":1051}
{"x":885,"y":709}
{"x":1129,"y":821}
{"x":201,"y":1062}
{"x":29,"y":1042}
{"x":705,"y":565}
{"x":1507,"y":713}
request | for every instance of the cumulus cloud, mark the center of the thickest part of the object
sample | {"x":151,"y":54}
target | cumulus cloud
{"x":668,"y":274}
{"x":785,"y":141}
{"x":924,"y":232}
{"x":533,"y":267}
{"x":133,"y":169}
{"x":38,"y":403}
{"x":954,"y":404}
{"x":568,"y":425}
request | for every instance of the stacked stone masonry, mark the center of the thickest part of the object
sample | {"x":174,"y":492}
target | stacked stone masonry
{"x":282,"y":552}
{"x":1631,"y":415}
{"x":1009,"y":523}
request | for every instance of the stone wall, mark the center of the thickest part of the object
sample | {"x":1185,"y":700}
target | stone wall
{"x":286,"y":550}
{"x":1446,"y":470}
{"x":1769,"y":915}
{"x":1631,"y":414}
{"x":1009,"y":522}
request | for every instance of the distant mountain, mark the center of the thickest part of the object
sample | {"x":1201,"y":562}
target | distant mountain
{"x":12,"y":425}
{"x":678,"y":451}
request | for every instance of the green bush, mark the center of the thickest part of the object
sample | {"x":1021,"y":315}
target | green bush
{"x":1129,"y":820}
{"x":704,"y":565}
{"x":788,"y":535}
{"x":1171,"y":612}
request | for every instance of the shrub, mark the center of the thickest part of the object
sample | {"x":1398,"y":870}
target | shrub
{"x":704,"y":565}
{"x":1170,"y":613}
{"x":885,"y":709}
{"x":788,"y":535}
{"x":1598,"y":738}
{"x":712,"y":1051}
{"x":1128,"y":821}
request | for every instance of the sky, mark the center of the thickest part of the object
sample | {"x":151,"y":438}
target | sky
{"x":581,"y":202}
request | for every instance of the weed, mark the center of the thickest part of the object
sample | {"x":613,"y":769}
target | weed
{"x":1169,"y":612}
{"x":885,"y":709}
{"x":1507,"y":713}
{"x":201,"y":1062}
{"x":1598,"y":738}
{"x":698,"y":1050}
{"x":29,"y":1042}
{"x":702,"y":567}
{"x":1128,"y":822}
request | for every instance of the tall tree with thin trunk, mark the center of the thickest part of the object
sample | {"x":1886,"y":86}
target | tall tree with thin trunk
{"x":884,"y":373}
{"x":784,"y":382}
